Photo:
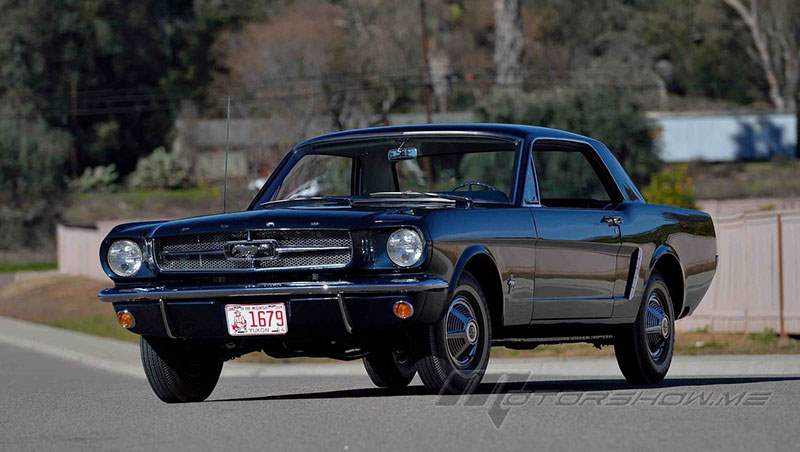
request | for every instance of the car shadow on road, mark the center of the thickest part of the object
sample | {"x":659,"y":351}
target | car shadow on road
{"x":521,"y":385}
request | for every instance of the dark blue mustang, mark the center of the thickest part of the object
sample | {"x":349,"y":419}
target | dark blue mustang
{"x":417,"y":249}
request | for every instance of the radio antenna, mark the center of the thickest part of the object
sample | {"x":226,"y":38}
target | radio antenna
{"x":227,"y":147}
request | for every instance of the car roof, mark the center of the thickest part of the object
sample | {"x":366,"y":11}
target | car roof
{"x":514,"y":130}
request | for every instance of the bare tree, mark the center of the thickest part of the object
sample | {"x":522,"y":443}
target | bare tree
{"x":775,"y":31}
{"x":508,"y":42}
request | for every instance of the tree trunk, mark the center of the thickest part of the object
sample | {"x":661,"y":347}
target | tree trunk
{"x":797,"y":125}
{"x":508,"y":43}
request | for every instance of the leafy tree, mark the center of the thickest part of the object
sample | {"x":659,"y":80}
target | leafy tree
{"x":696,"y":49}
{"x":608,"y":115}
{"x":111,"y":72}
{"x":32,"y":156}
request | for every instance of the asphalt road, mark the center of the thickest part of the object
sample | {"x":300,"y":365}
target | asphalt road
{"x":51,"y":404}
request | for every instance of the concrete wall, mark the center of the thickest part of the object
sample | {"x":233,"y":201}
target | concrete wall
{"x":79,"y":249}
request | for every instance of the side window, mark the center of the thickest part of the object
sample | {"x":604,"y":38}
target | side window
{"x":569,"y":177}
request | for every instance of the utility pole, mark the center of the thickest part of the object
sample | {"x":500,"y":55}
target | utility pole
{"x":73,"y":122}
{"x":426,"y":76}
{"x":784,"y":338}
{"x":797,"y":122}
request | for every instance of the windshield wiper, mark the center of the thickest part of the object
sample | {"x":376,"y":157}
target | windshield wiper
{"x":341,"y":200}
{"x":415,"y":195}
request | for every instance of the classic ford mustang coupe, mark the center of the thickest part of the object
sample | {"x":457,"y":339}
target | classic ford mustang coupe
{"x":416,"y":249}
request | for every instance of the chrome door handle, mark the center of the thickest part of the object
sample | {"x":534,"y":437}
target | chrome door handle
{"x":612,"y":220}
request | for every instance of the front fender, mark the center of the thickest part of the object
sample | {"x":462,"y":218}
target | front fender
{"x":465,"y":257}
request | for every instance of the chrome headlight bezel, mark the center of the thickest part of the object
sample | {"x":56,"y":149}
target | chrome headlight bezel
{"x":405,"y":247}
{"x":125,"y":257}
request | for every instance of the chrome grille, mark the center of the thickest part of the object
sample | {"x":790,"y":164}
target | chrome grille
{"x":293,"y":250}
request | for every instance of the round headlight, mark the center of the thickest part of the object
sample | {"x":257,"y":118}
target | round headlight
{"x":124,"y":257}
{"x":405,"y":247}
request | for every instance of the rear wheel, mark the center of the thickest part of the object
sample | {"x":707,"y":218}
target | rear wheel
{"x":644,"y":350}
{"x":455,"y":350}
{"x":389,"y":369}
{"x":179,"y":371}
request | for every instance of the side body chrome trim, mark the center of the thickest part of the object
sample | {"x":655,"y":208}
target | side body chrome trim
{"x":265,"y":289}
{"x":635,"y":280}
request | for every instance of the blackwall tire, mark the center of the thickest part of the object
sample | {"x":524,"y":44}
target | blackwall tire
{"x":177,"y":371}
{"x":644,"y":349}
{"x":454,"y":352}
{"x":389,"y":369}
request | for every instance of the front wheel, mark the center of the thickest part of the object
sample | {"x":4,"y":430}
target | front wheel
{"x":455,"y":350}
{"x":644,"y":349}
{"x":178,"y":371}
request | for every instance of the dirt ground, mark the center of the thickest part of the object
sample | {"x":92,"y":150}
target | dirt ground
{"x":52,"y":298}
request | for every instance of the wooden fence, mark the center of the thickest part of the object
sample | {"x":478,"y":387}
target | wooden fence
{"x":745,"y":295}
{"x":756,"y":251}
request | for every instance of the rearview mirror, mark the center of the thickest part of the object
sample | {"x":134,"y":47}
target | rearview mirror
{"x":402,"y":154}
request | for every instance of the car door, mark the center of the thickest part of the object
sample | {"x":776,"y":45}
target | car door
{"x":578,"y":233}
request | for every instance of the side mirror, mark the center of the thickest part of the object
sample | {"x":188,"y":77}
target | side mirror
{"x":398,"y":154}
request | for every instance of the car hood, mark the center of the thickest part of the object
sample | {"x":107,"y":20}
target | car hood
{"x":281,"y":218}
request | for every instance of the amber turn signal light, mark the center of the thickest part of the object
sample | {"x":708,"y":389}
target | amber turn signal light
{"x":126,"y":319}
{"x":403,"y":309}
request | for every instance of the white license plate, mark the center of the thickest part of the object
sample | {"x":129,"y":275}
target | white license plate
{"x":256,"y":319}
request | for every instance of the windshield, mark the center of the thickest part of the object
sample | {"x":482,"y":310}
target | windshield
{"x":479,"y":169}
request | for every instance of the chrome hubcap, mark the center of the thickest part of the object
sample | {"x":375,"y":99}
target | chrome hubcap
{"x":658,"y":327}
{"x":472,"y":332}
{"x":461,"y":332}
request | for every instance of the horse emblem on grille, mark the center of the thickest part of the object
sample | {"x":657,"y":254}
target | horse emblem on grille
{"x":252,"y":250}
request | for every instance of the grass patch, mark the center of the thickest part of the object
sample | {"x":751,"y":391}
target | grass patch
{"x":727,"y":180}
{"x":704,"y":343}
{"x":88,"y":208}
{"x":104,"y":325}
{"x":143,"y":198}
{"x":14,"y":267}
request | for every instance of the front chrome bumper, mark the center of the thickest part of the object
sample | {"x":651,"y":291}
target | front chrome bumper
{"x":406,"y":285}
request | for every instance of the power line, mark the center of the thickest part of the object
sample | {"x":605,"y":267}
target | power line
{"x":298,"y":89}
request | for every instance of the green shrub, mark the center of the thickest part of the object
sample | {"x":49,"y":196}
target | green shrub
{"x":767,"y":336}
{"x":671,"y":186}
{"x":160,"y":170}
{"x":97,"y":179}
{"x":608,"y":115}
{"x":32,"y":158}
